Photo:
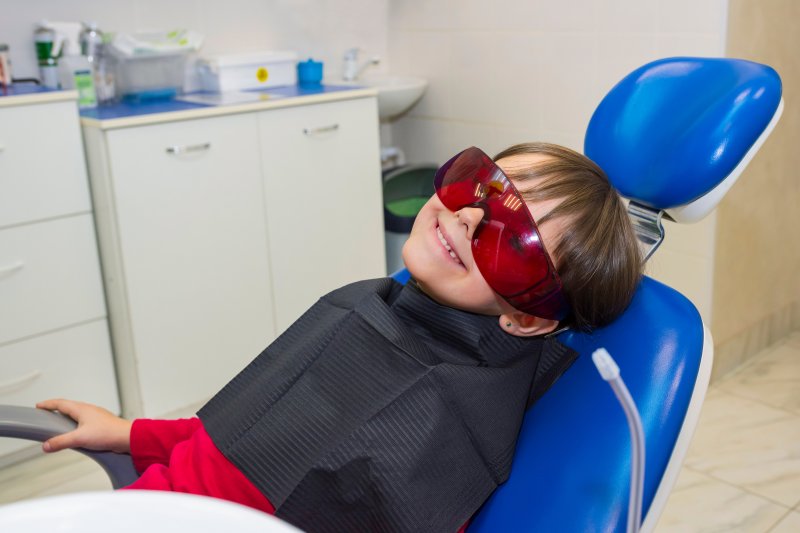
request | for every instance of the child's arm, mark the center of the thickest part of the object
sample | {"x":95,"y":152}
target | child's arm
{"x":152,"y":441}
{"x":98,"y":429}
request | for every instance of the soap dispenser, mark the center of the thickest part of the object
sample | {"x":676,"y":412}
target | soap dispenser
{"x":74,"y":70}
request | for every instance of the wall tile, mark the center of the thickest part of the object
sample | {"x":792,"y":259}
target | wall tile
{"x":419,"y":53}
{"x":420,"y":14}
{"x":473,"y":84}
{"x":560,"y":16}
{"x":618,"y":54}
{"x":569,"y":68}
{"x":688,"y":274}
{"x":689,"y":44}
{"x":707,"y":16}
{"x":627,"y":15}
{"x":695,"y":239}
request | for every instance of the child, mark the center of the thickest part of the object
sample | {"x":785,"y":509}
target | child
{"x":391,"y":408}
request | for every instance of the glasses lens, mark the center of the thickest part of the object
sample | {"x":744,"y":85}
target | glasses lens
{"x":506,"y":245}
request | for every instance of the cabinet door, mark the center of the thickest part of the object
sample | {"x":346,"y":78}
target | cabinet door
{"x":42,"y":172}
{"x":190,"y":216}
{"x":324,"y":202}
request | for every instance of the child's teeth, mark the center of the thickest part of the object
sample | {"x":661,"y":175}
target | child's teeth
{"x":447,"y":246}
{"x":444,"y":241}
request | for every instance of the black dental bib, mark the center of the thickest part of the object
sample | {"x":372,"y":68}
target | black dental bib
{"x":381,"y":410}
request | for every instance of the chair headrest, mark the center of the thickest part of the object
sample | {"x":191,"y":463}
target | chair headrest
{"x":674,"y":130}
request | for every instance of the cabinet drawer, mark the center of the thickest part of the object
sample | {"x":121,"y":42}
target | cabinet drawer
{"x":72,"y":363}
{"x":49,"y":277}
{"x":42,"y":170}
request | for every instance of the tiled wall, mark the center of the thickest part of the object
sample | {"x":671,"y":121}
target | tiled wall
{"x":323,"y":29}
{"x":757,"y":258}
{"x":510,"y":71}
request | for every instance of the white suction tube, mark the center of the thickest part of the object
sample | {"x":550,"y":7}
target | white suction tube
{"x":610,"y":372}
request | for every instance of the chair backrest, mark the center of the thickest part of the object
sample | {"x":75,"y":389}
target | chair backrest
{"x":672,"y":136}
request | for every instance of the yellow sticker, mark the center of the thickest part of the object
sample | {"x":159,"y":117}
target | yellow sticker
{"x":262,"y":74}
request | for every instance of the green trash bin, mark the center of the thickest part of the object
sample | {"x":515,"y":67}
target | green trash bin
{"x":405,"y":191}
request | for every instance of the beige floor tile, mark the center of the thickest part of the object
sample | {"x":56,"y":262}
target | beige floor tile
{"x":701,"y":504}
{"x":91,"y":481}
{"x":748,"y":444}
{"x":51,"y":474}
{"x":773,"y":377}
{"x":789,"y":524}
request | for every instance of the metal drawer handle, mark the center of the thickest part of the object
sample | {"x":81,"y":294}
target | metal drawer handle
{"x":16,"y":384}
{"x":6,"y":271}
{"x":321,"y":129}
{"x":176,"y":150}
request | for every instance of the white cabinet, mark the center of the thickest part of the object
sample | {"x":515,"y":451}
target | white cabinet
{"x":53,"y":331}
{"x":217,"y":232}
{"x":324,"y":200}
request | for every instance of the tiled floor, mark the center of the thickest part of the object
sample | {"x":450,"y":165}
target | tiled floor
{"x":742,"y":472}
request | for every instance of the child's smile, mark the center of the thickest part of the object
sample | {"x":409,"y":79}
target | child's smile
{"x":446,"y":244}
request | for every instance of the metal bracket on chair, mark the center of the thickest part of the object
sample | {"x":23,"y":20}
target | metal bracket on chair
{"x":647,"y":225}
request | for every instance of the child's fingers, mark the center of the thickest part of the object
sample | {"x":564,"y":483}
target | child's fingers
{"x":48,"y":404}
{"x":67,"y":407}
{"x":60,"y":442}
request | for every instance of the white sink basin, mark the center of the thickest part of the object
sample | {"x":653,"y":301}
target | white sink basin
{"x":396,"y":94}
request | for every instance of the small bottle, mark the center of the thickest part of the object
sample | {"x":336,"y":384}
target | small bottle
{"x":104,"y":74}
{"x":45,"y":38}
{"x":91,"y":39}
{"x":5,"y":65}
{"x":74,"y":70}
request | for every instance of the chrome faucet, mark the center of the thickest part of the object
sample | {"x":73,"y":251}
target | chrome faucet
{"x":352,"y":70}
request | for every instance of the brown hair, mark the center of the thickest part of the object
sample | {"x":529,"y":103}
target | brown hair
{"x":598,"y":256}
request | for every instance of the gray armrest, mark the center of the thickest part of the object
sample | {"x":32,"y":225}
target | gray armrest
{"x":39,"y":425}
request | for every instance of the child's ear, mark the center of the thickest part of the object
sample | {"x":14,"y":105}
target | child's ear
{"x":525,"y":325}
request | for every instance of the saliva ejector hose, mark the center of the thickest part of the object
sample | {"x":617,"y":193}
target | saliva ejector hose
{"x":610,"y":372}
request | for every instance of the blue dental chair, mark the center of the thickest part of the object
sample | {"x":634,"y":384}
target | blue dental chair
{"x":673,"y":136}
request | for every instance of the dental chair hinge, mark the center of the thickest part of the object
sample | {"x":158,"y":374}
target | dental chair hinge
{"x":648,"y":227}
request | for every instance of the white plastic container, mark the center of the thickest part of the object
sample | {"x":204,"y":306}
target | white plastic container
{"x":255,"y":70}
{"x":152,"y":65}
{"x":150,"y":74}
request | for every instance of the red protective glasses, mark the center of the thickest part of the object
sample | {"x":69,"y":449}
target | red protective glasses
{"x":506,"y":245}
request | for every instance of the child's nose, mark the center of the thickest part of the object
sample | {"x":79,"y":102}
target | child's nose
{"x":470,"y":217}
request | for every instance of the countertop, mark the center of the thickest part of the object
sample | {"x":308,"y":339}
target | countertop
{"x":187,"y":106}
{"x":23,"y":93}
{"x":200,"y":105}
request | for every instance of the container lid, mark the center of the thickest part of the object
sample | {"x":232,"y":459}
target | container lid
{"x":249,"y":58}
{"x":156,"y":43}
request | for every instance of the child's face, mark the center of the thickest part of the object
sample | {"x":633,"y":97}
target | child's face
{"x":451,"y":276}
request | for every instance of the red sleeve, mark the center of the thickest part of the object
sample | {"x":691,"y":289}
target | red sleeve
{"x":152,"y":441}
{"x":194,"y":464}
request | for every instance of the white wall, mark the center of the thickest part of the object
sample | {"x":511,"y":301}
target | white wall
{"x":511,"y":71}
{"x":319,"y":28}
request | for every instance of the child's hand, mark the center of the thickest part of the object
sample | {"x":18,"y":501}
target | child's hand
{"x":98,"y":429}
